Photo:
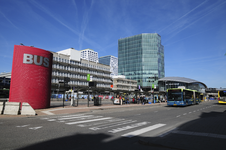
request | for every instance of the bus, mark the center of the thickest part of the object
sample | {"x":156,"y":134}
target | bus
{"x":197,"y":97}
{"x":222,"y":96}
{"x":182,"y":97}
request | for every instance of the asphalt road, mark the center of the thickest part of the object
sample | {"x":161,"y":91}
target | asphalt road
{"x":119,"y":128}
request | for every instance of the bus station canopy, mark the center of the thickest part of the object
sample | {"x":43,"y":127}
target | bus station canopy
{"x":180,"y":79}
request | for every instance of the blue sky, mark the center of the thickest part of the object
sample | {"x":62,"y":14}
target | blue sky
{"x":193,"y":31}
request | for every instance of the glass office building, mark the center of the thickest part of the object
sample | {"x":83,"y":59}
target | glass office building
{"x":140,"y":58}
{"x":111,"y":61}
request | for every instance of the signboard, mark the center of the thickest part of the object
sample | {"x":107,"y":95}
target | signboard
{"x":153,"y":86}
{"x":88,"y":77}
{"x":31,"y":76}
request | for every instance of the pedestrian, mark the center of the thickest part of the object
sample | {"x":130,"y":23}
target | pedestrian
{"x":123,"y":100}
{"x":120,"y":99}
{"x":144,"y":101}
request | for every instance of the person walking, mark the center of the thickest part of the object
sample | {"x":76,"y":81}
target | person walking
{"x":142,"y":100}
{"x":120,"y":99}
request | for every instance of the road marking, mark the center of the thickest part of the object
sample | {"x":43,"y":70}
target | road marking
{"x":52,"y":120}
{"x":100,"y":122}
{"x":78,"y":122}
{"x":141,"y":131}
{"x":88,"y":116}
{"x":178,"y":116}
{"x":35,"y":128}
{"x":128,"y":127}
{"x":112,"y":125}
{"x":185,"y":114}
{"x":22,"y":126}
{"x":48,"y":113}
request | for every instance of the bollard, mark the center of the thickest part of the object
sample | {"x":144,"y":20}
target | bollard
{"x":27,"y":110}
{"x":11,"y":108}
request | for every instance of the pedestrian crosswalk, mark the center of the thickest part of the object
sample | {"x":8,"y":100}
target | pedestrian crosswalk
{"x":127,"y":127}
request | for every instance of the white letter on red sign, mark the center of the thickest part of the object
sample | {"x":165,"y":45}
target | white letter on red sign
{"x":28,"y":59}
{"x":46,"y":62}
{"x":36,"y":60}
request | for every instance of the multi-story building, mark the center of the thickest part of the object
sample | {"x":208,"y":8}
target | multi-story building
{"x":68,"y":64}
{"x":5,"y":79}
{"x":111,"y":61}
{"x":141,"y":58}
{"x":121,"y":84}
{"x":89,"y":54}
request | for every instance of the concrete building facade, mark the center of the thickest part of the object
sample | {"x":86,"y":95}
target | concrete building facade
{"x":120,"y":83}
{"x":75,"y":69}
{"x":90,"y":55}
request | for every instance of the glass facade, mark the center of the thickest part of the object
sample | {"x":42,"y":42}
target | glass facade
{"x":105,"y":60}
{"x":111,"y":61}
{"x":141,"y":57}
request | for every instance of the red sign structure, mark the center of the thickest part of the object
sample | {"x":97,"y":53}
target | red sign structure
{"x":31,"y":76}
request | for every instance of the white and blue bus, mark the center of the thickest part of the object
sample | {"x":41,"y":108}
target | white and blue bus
{"x":182,"y":97}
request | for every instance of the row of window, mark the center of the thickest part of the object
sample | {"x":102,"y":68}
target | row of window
{"x":58,"y":66}
{"x":79,"y":63}
{"x":127,"y":82}
{"x":84,"y":83}
{"x":78,"y":76}
{"x":126,"y":87}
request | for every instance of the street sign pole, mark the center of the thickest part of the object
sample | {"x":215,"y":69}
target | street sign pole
{"x":88,"y":79}
{"x":63,"y":99}
{"x":88,"y":96}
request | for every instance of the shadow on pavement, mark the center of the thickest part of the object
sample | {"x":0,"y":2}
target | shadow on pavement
{"x":91,"y":141}
{"x":208,"y":132}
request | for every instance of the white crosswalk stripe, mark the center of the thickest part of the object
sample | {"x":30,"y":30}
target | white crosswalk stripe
{"x":141,"y":131}
{"x":113,"y":125}
{"x":78,"y":122}
{"x":128,"y":127}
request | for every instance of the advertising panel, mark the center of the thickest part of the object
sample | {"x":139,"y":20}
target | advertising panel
{"x":31,"y":76}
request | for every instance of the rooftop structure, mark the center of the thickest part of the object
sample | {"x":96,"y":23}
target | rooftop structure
{"x":89,"y":54}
